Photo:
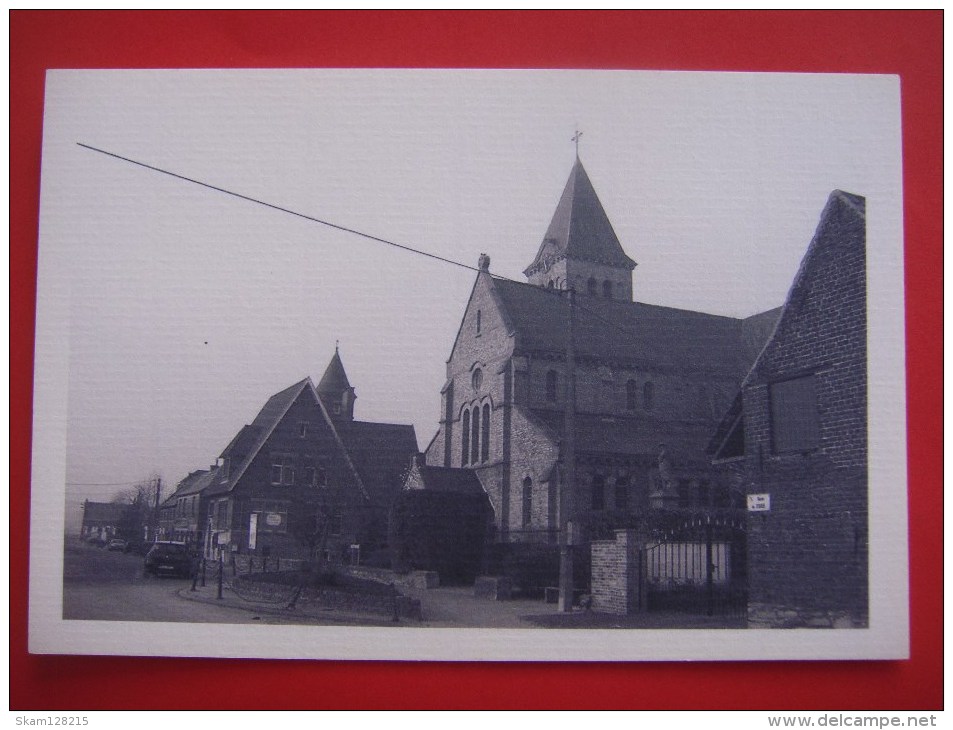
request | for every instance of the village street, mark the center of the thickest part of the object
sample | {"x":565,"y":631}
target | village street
{"x":109,"y":586}
{"x":100,"y":585}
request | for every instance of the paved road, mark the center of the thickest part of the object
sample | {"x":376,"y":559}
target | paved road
{"x":110,"y":586}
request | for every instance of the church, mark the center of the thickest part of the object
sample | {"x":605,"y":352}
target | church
{"x":650,"y":383}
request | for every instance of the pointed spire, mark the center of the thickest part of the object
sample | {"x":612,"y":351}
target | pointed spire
{"x":580,"y":228}
{"x":334,"y":381}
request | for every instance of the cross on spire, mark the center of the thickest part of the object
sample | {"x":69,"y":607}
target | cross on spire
{"x":575,"y":138}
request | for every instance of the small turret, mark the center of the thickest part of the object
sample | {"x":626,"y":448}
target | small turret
{"x":335,"y":390}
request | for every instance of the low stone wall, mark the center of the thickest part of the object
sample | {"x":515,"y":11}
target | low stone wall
{"x":329,"y":597}
{"x":413,"y":579}
{"x":260,"y":564}
{"x":768,"y":616}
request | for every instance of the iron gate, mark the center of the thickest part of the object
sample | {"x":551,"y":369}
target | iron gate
{"x":698,"y":565}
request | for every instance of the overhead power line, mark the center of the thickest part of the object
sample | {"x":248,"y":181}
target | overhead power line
{"x":329,"y":224}
{"x":279,"y":208}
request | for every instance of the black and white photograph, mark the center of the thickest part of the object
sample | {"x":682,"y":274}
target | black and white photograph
{"x":470,"y":365}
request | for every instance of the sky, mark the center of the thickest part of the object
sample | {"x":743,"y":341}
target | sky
{"x":181,"y":309}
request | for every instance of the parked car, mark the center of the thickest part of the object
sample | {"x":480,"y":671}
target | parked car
{"x":118,"y":545}
{"x":169,"y":558}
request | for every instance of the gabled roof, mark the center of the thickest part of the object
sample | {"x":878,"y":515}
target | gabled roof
{"x":381,"y":453}
{"x":243,"y":442}
{"x":334,"y":381}
{"x":842,"y":224}
{"x":644,"y":335}
{"x":450,"y":479}
{"x":842,"y":220}
{"x":378,"y":464}
{"x":580,"y":228}
{"x":195,"y":483}
{"x":252,"y":438}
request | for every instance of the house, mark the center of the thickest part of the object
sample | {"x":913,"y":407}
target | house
{"x":181,"y":514}
{"x":651,"y":384}
{"x":796,"y":436}
{"x":106,"y":520}
{"x":305,"y":479}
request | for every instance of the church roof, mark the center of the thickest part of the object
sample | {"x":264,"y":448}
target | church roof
{"x":580,"y":228}
{"x":642,"y":335}
{"x":334,"y":381}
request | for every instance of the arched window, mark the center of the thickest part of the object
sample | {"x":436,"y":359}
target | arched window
{"x":475,"y":436}
{"x":622,"y":493}
{"x":485,"y":436}
{"x":607,"y":289}
{"x":648,"y":396}
{"x":552,"y":381}
{"x":551,"y":284}
{"x":631,"y":395}
{"x":465,"y":430}
{"x":527,"y":501}
{"x":592,"y":286}
{"x":598,"y":492}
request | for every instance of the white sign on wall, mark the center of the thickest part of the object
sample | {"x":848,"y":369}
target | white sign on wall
{"x":252,"y":530}
{"x":759,"y":502}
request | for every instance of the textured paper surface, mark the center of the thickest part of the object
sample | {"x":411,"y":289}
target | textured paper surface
{"x":158,"y":299}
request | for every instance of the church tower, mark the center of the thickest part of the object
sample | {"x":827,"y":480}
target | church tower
{"x":580,"y":249}
{"x":336,"y":392}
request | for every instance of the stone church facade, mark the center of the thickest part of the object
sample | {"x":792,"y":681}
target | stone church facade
{"x":651,"y":384}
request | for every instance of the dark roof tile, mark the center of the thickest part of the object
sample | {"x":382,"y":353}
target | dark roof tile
{"x":642,"y":335}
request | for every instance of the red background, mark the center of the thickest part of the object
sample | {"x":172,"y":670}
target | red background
{"x":905,"y":43}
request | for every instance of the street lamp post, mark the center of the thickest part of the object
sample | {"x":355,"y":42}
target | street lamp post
{"x":566,"y":496}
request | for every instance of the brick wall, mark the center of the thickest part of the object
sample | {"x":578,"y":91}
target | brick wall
{"x":807,"y":557}
{"x":615,"y":574}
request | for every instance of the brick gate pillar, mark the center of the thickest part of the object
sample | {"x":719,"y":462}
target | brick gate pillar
{"x":619,"y":573}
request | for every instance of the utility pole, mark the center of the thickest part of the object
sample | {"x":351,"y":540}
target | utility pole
{"x":155,"y":518}
{"x":566,"y":496}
